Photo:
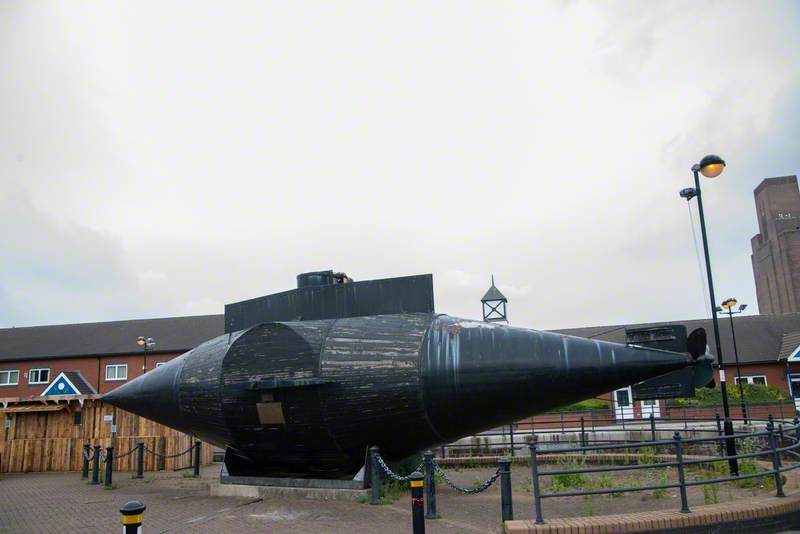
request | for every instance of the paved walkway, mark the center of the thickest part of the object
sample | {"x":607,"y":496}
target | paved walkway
{"x":63,"y":503}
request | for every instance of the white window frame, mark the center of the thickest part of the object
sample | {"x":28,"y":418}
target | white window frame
{"x":748,"y":379}
{"x":38,"y":372}
{"x":116,"y":367}
{"x":8,"y":372}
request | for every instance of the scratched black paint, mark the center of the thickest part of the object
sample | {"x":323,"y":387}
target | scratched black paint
{"x":404,"y":382}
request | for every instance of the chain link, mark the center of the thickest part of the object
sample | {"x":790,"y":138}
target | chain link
{"x":118,"y":456}
{"x":391,"y":473}
{"x":483,"y":487}
{"x":169,"y":455}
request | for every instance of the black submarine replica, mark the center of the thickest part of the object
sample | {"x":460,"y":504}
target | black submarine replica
{"x":304,"y":381}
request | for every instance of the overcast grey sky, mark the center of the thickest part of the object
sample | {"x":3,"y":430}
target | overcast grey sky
{"x":163,"y":158}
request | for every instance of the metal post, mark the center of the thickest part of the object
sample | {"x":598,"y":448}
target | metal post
{"x":506,"y":507}
{"x":85,"y":468}
{"x":681,"y":475}
{"x":537,"y":497}
{"x":730,"y":442}
{"x":197,"y":459}
{"x":652,"y":427}
{"x":96,"y":466}
{"x":430,"y":486}
{"x":685,"y":422}
{"x":375,"y":477}
{"x":738,"y":371}
{"x":109,"y":465}
{"x":139,"y":460}
{"x":796,"y":423}
{"x":511,"y":434}
{"x":562,"y":422}
{"x":776,"y":462}
{"x":583,"y":435}
{"x":417,"y":503}
{"x":132,"y":515}
{"x":719,"y":433}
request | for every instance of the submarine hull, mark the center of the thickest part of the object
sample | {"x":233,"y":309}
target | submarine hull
{"x":307,"y":398}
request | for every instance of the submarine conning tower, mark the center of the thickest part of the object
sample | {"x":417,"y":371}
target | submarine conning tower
{"x":304,"y":381}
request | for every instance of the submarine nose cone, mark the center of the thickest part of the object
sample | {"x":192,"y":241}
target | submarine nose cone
{"x":154,"y":395}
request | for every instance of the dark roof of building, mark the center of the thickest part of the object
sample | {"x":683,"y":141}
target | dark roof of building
{"x":171,"y":334}
{"x":789,"y":342}
{"x":759,"y":338}
{"x":78,"y":380}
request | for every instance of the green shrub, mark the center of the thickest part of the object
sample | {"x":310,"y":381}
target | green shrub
{"x":752,"y":392}
{"x":585,"y":406}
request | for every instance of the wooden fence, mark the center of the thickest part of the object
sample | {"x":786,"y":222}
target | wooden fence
{"x":53,"y":440}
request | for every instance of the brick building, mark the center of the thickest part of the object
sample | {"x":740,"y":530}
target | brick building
{"x":776,"y":248}
{"x":106,"y":354}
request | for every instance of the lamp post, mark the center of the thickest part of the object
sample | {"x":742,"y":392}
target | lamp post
{"x":145,"y":343}
{"x":712,"y":166}
{"x":728,"y":304}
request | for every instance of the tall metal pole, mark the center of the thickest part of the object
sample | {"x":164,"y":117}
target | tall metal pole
{"x":730,"y":444}
{"x":738,"y":370}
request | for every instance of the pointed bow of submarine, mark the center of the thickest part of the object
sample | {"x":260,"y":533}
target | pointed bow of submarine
{"x":478,"y":375}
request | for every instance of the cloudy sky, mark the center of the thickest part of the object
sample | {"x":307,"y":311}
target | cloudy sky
{"x":166,"y":158}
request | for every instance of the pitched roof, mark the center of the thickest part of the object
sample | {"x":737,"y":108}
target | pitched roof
{"x":493,"y":294}
{"x":759,"y":338}
{"x":80,"y":382}
{"x":172,"y":334}
{"x":789,"y":342}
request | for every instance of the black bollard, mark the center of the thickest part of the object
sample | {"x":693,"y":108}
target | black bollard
{"x":96,"y":466}
{"x":109,"y":465}
{"x":85,"y":468}
{"x":506,"y":506}
{"x":417,"y":503}
{"x":430,"y":486}
{"x":139,"y":461}
{"x":375,"y":475}
{"x":132,"y":513}
{"x":196,"y":459}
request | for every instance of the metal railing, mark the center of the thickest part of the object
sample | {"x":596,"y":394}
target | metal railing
{"x":775,"y":448}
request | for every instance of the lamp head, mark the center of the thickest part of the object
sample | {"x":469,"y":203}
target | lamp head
{"x":140,"y":341}
{"x":728,"y":304}
{"x":711,"y":166}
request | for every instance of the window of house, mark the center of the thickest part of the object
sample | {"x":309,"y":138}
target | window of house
{"x":9,"y":377}
{"x":118,"y":371}
{"x":39,"y":376}
{"x":755,"y":379}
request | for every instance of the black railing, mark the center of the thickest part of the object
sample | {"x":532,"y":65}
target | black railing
{"x":775,"y":447}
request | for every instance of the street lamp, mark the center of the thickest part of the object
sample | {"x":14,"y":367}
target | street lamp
{"x":145,"y":343}
{"x":712,"y":166}
{"x":729,"y":304}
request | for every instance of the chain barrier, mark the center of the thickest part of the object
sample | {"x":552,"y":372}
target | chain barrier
{"x":169,"y":455}
{"x":394,"y":475}
{"x":469,"y":491}
{"x":118,"y":456}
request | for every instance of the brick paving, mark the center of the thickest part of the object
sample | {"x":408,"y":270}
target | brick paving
{"x":62,"y":502}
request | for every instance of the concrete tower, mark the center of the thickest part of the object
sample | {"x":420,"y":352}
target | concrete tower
{"x":776,"y":248}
